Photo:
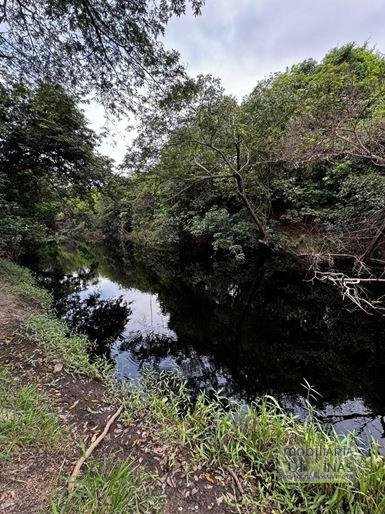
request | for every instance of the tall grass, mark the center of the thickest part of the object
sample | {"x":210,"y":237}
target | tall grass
{"x":252,"y":439}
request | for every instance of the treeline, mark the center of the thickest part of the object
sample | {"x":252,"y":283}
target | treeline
{"x":53,"y":55}
{"x":298,"y":164}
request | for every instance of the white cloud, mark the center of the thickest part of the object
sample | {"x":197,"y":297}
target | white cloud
{"x":243,"y":41}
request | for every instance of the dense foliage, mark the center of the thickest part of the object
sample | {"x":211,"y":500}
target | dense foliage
{"x":304,"y":150}
{"x":298,"y":164}
{"x":49,"y":167}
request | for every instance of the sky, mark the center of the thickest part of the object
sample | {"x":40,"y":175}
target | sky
{"x":244,"y":41}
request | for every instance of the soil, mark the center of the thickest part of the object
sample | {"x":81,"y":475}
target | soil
{"x":30,"y":480}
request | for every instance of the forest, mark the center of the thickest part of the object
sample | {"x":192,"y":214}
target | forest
{"x":296,"y":166}
{"x":218,"y":295}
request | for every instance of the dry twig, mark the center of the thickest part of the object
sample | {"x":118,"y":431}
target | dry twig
{"x":90,"y":449}
{"x":236,"y":480}
{"x":352,"y":289}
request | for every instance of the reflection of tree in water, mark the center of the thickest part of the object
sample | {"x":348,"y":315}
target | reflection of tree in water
{"x":103,"y":320}
{"x":264,"y":329}
{"x":62,"y":285}
{"x":249,"y":329}
{"x":162,"y":352}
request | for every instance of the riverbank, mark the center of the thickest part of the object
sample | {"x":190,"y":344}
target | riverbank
{"x":162,"y":454}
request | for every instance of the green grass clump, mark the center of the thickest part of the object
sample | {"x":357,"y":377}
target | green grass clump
{"x":52,"y":335}
{"x":57,"y":342}
{"x":112,"y":488}
{"x":252,"y":439}
{"x":21,"y":281}
{"x":26,"y":418}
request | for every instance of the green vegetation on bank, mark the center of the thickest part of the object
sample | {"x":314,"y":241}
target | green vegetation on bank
{"x":109,"y":487}
{"x":26,"y":418}
{"x":296,"y":167}
{"x":20,"y":281}
{"x":53,"y":336}
{"x":252,"y":439}
{"x":302,"y":156}
{"x":58,"y":343}
{"x":299,"y":163}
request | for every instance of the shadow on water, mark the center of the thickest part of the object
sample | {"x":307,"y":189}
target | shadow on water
{"x":248,"y":329}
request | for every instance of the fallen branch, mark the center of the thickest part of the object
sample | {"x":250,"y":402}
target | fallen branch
{"x":90,"y":449}
{"x":236,"y":479}
{"x":351,"y":288}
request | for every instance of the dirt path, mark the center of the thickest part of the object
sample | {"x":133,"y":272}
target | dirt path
{"x":31,"y":479}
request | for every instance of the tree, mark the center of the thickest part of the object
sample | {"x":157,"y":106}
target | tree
{"x":343,"y":109}
{"x":204,"y":132}
{"x":48,"y":159}
{"x":288,"y":157}
{"x":343,"y":118}
{"x":107,"y":47}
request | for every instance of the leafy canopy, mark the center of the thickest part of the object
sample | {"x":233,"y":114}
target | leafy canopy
{"x":107,"y":47}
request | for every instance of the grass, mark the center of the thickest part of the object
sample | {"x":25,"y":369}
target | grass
{"x":21,"y":281}
{"x":252,"y":440}
{"x":57,"y":342}
{"x":52,"y":335}
{"x":112,"y":488}
{"x":26,"y":418}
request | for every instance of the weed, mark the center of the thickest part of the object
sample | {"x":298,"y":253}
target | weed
{"x":112,"y":488}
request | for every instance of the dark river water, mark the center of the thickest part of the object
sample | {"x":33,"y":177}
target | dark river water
{"x":247,"y":329}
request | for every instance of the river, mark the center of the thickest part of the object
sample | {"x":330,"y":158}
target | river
{"x":248,"y":329}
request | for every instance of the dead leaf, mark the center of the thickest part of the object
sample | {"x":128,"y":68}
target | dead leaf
{"x":209,"y":478}
{"x":74,"y":405}
{"x":58,"y":367}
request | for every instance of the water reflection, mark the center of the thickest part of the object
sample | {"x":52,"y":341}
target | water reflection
{"x":248,"y":330}
{"x":103,"y":320}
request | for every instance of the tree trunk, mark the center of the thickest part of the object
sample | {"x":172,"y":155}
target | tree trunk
{"x":242,"y":195}
{"x":373,"y":244}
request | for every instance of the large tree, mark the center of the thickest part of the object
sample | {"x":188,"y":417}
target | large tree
{"x":108,"y":47}
{"x":48,"y":159}
{"x":195,"y":136}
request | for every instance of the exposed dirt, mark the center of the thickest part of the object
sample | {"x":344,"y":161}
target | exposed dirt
{"x":13,"y":309}
{"x":31,"y":479}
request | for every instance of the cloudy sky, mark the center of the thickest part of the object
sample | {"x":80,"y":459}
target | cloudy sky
{"x":243,"y":41}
